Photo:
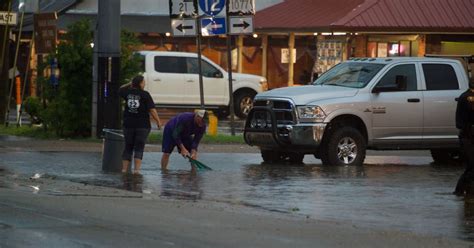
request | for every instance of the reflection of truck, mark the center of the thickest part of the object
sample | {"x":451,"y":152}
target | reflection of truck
{"x":383,"y":103}
{"x":172,"y":79}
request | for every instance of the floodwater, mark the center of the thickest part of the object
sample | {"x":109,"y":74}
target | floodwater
{"x":407,"y":193}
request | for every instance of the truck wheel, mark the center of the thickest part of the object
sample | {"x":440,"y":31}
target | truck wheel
{"x":345,"y":146}
{"x":444,"y":156}
{"x":296,"y":158}
{"x":243,"y":102}
{"x":270,"y":157}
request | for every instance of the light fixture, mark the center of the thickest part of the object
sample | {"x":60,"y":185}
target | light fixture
{"x":92,"y":44}
{"x":338,"y":33}
{"x":255,"y":35}
{"x":168,"y":34}
{"x":326,"y":33}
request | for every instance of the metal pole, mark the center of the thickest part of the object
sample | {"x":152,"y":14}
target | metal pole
{"x":26,"y":77}
{"x":231,"y":88}
{"x":95,"y":87}
{"x":201,"y":84}
{"x":14,"y":68}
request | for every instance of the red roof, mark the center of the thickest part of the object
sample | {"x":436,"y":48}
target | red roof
{"x":368,"y":15}
{"x":420,"y":15}
{"x":304,"y":14}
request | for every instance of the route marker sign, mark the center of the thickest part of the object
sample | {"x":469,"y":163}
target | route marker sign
{"x":213,"y":26}
{"x":241,"y":24}
{"x":184,"y":27}
{"x":182,"y":8}
{"x":211,"y":7}
{"x":241,"y":7}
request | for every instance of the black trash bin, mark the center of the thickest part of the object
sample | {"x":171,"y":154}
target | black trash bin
{"x":112,"y":149}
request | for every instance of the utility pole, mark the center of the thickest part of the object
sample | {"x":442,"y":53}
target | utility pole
{"x":4,"y":62}
{"x":108,"y":65}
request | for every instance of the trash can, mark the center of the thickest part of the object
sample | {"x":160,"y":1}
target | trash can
{"x":112,"y":149}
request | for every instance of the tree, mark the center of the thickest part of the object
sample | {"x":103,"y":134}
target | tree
{"x":68,"y":110}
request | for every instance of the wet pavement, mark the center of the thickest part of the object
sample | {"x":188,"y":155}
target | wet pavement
{"x":407,"y":193}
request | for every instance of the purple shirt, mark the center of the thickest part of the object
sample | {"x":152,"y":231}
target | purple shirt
{"x":184,"y":128}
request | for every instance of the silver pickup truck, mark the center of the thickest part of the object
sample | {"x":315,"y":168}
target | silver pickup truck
{"x":360,"y":104}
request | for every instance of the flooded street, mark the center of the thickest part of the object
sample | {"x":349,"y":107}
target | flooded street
{"x":407,"y":193}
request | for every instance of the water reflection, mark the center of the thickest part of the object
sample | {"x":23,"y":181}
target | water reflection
{"x":181,"y":185}
{"x":133,"y":182}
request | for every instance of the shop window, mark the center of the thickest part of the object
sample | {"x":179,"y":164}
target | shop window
{"x":382,"y":50}
{"x":393,"y":49}
{"x":372,"y":49}
{"x":414,"y":48}
{"x":404,"y":49}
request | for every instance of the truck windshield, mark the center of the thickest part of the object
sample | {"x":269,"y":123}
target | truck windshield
{"x":350,"y":74}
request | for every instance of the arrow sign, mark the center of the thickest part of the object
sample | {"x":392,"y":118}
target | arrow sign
{"x":183,"y":27}
{"x":241,"y":25}
{"x":213,"y":26}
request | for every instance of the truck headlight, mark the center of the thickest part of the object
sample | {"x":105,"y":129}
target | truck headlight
{"x":264,"y":84}
{"x":311,"y":114}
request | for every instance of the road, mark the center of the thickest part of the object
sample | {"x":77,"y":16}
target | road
{"x":398,"y":198}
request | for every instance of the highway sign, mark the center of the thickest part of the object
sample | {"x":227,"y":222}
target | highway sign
{"x":183,"y":27}
{"x":241,"y":25}
{"x":241,"y":7}
{"x":8,"y":18}
{"x":182,"y":8}
{"x":213,"y":26}
{"x":211,"y":7}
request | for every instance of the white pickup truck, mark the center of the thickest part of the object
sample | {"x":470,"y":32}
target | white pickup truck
{"x":377,"y":103}
{"x":172,"y":78}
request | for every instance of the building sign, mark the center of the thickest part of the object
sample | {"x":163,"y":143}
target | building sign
{"x":8,"y":18}
{"x":285,"y":55}
{"x":45,"y":32}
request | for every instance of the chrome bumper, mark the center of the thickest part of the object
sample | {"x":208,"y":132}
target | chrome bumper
{"x":308,"y":135}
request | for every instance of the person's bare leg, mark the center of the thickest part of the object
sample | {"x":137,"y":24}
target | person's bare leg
{"x":164,"y":161}
{"x":138,"y":165}
{"x":125,"y":165}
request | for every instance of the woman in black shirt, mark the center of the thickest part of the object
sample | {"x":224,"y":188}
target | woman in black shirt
{"x":136,"y":121}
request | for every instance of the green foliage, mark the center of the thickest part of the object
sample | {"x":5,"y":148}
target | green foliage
{"x":33,"y":107}
{"x":68,"y":107}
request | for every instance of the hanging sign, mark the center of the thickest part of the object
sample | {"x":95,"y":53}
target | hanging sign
{"x":8,"y":18}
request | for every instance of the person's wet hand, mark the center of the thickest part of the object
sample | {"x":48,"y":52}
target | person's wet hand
{"x":194,"y":154}
{"x":184,"y":152}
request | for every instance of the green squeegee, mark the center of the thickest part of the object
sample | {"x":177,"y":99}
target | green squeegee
{"x":198,"y":164}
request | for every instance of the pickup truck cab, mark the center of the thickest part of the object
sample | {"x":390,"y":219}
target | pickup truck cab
{"x":377,"y":103}
{"x":172,"y":78}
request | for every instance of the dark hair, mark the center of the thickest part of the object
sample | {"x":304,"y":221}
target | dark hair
{"x":136,"y":81}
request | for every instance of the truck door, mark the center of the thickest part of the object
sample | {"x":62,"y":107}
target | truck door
{"x":165,"y":79}
{"x":397,"y":108}
{"x":442,"y":87}
{"x":215,"y":85}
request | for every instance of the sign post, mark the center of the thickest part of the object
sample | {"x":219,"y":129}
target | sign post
{"x":240,"y":21}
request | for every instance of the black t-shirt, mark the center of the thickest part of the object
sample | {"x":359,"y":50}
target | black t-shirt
{"x":137,"y":106}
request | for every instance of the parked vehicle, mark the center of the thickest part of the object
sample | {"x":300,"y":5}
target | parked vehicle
{"x":381,"y":104}
{"x":173,"y":81}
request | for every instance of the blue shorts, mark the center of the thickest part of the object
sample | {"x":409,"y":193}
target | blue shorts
{"x":168,"y":143}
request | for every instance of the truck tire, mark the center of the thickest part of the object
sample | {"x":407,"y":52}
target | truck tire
{"x":345,"y":146}
{"x":270,"y":157}
{"x":243,"y":102}
{"x":444,"y":156}
{"x":295,"y":158}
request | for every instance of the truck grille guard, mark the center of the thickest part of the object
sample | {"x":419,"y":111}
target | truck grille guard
{"x":271,"y":117}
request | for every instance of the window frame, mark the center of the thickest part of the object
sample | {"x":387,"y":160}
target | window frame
{"x":387,"y":70}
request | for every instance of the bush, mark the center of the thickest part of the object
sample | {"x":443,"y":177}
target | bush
{"x":34,"y":108}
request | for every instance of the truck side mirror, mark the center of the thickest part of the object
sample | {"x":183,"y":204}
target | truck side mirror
{"x":218,"y":74}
